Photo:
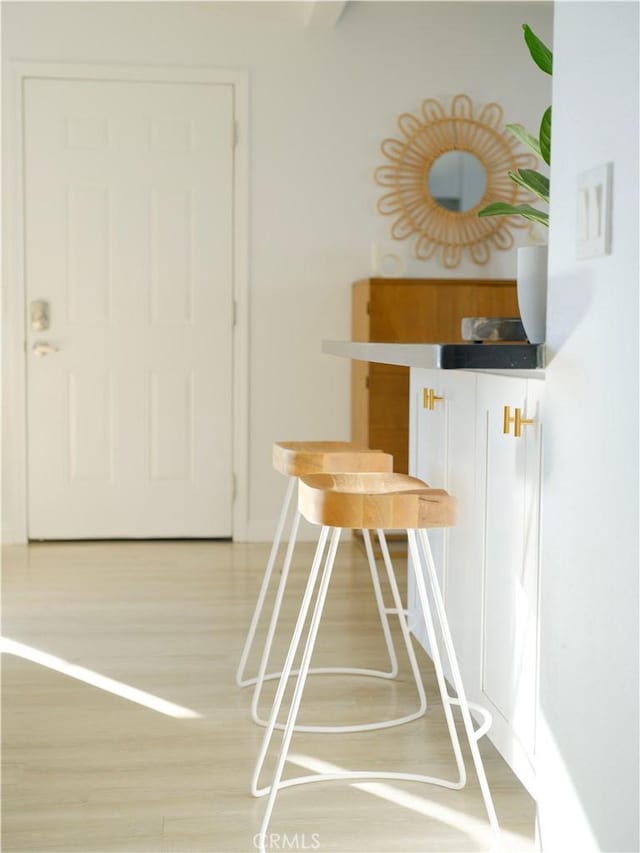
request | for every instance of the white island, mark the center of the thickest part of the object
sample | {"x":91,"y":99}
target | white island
{"x":478,"y":434}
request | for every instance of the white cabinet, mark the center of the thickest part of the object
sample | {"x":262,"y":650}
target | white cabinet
{"x":488,"y":563}
{"x":508,"y":490}
{"x":444,"y":456}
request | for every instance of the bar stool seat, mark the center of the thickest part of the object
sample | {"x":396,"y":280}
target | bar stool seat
{"x":373,"y":501}
{"x":296,"y":459}
{"x":301,"y":458}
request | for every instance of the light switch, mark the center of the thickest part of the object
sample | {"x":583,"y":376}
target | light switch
{"x":594,"y":212}
{"x":583,"y":218}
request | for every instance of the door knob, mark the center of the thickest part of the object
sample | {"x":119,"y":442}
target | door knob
{"x":41,"y":348}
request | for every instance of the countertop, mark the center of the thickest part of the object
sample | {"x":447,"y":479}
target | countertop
{"x":526,"y":360}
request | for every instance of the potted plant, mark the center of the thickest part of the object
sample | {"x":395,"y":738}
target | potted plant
{"x":532,"y":260}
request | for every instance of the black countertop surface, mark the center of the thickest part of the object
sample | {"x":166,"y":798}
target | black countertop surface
{"x":458,"y":356}
{"x":487,"y":356}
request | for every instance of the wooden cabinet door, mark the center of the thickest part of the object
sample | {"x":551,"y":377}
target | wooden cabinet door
{"x":404,"y":311}
{"x":508,"y":495}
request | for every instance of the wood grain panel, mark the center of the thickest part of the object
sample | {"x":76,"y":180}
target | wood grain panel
{"x":360,"y":369}
{"x":431,"y":310}
{"x":389,"y":412}
{"x":360,"y":311}
{"x":403,"y":310}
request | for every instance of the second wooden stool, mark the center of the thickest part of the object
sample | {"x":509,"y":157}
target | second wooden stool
{"x":294,"y":460}
{"x":374,"y":501}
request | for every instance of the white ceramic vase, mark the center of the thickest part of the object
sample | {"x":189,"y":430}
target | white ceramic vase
{"x":532,"y":291}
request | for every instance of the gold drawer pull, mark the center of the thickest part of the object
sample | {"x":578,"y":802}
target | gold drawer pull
{"x":430,"y":398}
{"x":517,"y":420}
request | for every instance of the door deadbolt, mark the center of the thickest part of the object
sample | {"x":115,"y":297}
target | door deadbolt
{"x":40,"y":315}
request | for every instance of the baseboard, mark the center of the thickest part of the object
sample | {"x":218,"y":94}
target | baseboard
{"x":10,"y":537}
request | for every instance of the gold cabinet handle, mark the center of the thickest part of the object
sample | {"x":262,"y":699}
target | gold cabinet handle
{"x":430,"y":398}
{"x":517,"y":420}
{"x":520,"y":422}
{"x":506,"y":420}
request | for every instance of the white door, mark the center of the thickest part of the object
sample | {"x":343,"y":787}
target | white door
{"x":128,"y":220}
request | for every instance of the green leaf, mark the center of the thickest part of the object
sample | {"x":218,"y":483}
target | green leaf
{"x":522,"y":136}
{"x":540,"y":53}
{"x":532,"y":181}
{"x":501,"y":208}
{"x":545,"y":137}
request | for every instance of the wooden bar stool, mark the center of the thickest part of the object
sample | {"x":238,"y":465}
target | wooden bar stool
{"x":298,"y":459}
{"x":374,"y":501}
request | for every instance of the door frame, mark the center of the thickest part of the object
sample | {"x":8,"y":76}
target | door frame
{"x":14,"y":363}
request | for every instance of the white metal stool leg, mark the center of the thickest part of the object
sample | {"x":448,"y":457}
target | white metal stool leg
{"x":383,"y":614}
{"x":241,"y":680}
{"x":273,"y":622}
{"x":382,"y":610}
{"x":472,"y":735}
{"x":401,"y":613}
{"x":262,"y":676}
{"x":437,"y":660}
{"x":302,"y":677}
{"x":332,"y":670}
{"x":290,"y":726}
{"x":288,"y":664}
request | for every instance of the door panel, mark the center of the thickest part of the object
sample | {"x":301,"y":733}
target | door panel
{"x":128,"y":218}
{"x":510,"y":556}
{"x":90,"y":420}
{"x":444,"y":457}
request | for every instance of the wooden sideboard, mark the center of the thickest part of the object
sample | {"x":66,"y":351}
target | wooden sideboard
{"x":409,"y":310}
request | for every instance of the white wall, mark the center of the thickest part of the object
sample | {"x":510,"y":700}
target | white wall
{"x":321,"y":103}
{"x":588,"y":732}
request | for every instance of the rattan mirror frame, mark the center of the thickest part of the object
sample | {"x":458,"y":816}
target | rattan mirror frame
{"x":427,"y":136}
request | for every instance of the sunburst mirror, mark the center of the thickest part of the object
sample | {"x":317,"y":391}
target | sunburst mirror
{"x":442,"y":171}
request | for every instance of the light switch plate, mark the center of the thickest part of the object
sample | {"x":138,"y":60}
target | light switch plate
{"x":593,"y":231}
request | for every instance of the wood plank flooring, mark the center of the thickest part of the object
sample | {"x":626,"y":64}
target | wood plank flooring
{"x":86,"y":770}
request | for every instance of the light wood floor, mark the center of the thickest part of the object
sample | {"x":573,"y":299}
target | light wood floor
{"x":87,"y":770}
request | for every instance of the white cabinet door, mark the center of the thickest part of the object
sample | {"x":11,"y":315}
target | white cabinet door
{"x":128,"y":221}
{"x":488,"y":562}
{"x":443,"y":454}
{"x":509,"y":493}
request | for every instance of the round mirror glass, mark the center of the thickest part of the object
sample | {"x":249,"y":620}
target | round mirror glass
{"x":457,"y":180}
